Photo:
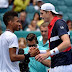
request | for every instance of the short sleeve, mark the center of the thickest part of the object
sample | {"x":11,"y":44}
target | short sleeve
{"x":61,"y":27}
{"x":13,"y":41}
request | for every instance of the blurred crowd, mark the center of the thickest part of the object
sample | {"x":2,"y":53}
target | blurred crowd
{"x":29,"y":13}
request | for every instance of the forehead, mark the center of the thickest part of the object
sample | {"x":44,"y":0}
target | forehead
{"x":31,"y":42}
{"x":44,"y":28}
{"x":16,"y":18}
{"x":22,"y":14}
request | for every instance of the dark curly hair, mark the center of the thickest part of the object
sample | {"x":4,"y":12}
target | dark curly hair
{"x":31,"y":36}
{"x":9,"y":16}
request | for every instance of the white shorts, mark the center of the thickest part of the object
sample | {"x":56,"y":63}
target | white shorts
{"x":67,"y":68}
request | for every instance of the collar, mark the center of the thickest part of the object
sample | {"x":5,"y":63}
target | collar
{"x":9,"y":30}
{"x":50,"y":25}
{"x":41,"y":39}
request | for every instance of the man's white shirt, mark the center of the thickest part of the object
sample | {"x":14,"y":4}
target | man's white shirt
{"x":8,"y":40}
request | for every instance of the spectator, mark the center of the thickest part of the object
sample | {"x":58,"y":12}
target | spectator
{"x":24,"y":23}
{"x":43,"y":39}
{"x":36,"y":16}
{"x":38,"y":19}
{"x":38,"y":4}
{"x":20,"y":5}
{"x":69,"y":23}
{"x":4,"y":4}
{"x":34,"y":2}
{"x":22,"y":42}
{"x":35,"y":66}
{"x":33,"y":26}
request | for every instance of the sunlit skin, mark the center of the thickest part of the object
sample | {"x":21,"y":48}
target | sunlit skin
{"x":46,"y":15}
{"x":16,"y":24}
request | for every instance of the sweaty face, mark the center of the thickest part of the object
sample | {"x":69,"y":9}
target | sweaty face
{"x":16,"y":24}
{"x":44,"y":15}
{"x":44,"y":31}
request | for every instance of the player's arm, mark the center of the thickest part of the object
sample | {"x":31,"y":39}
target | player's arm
{"x":14,"y":56}
{"x":46,"y":62}
{"x":65,"y":44}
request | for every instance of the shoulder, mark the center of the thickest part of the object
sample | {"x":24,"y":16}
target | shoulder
{"x":60,"y":22}
{"x":39,"y":38}
{"x":9,"y":35}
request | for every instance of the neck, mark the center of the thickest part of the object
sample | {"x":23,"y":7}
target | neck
{"x":45,"y":40}
{"x":51,"y":18}
{"x":10,"y":28}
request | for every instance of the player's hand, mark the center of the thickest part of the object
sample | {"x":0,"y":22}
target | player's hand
{"x":34,"y":51}
{"x":41,"y":57}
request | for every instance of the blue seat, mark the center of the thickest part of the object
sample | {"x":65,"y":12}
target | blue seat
{"x":1,"y":16}
{"x":3,"y":26}
{"x":63,"y":9}
{"x":45,"y":1}
{"x":30,"y":16}
{"x":10,"y":7}
{"x":30,"y":9}
{"x":65,"y":17}
{"x":70,"y":16}
{"x":71,"y":36}
{"x":68,"y":2}
{"x":69,"y":9}
{"x":25,"y":33}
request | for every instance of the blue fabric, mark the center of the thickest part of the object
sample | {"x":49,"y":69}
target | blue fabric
{"x":35,"y":66}
{"x":43,"y":46}
{"x":40,"y":43}
{"x":63,"y":58}
{"x":61,"y":27}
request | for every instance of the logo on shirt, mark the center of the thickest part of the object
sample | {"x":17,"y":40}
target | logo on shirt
{"x":61,"y":27}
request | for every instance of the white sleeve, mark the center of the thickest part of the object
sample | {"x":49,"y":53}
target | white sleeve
{"x":13,"y":41}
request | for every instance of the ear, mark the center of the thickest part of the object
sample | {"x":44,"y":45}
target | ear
{"x":10,"y":22}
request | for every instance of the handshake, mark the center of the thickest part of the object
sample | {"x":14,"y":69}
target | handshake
{"x":33,"y":51}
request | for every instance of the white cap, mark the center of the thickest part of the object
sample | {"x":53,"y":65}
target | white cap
{"x":48,"y":7}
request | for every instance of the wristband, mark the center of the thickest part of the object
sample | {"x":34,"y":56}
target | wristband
{"x":27,"y":56}
{"x":43,"y":51}
{"x":54,"y":51}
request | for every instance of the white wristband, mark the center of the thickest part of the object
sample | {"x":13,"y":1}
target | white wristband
{"x":43,"y":51}
{"x":54,"y":51}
